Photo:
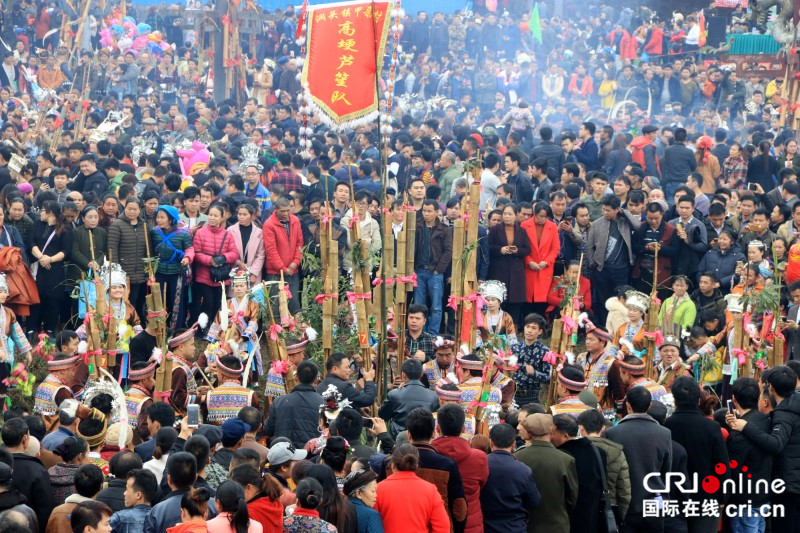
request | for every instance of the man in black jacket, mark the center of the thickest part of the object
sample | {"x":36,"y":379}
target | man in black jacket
{"x":783,"y":442}
{"x":745,"y":452}
{"x":432,"y":256}
{"x":548,"y":149}
{"x":338,"y":367}
{"x":648,"y":448}
{"x":296,"y":415}
{"x":412,"y":394}
{"x":521,"y":182}
{"x":90,"y":180}
{"x":702,"y":439}
{"x":677,"y":164}
{"x":588,"y":463}
{"x":11,"y":499}
{"x":30,"y":476}
{"x":120,"y":464}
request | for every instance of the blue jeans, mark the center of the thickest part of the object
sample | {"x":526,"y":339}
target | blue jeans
{"x":429,"y":289}
{"x":669,"y":191}
{"x":749,"y":522}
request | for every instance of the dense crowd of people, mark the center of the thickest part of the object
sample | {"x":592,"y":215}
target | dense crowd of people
{"x":622,"y":172}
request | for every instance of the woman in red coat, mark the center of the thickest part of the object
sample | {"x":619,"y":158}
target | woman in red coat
{"x":212,"y":240}
{"x":407,"y":503}
{"x":543,"y":238}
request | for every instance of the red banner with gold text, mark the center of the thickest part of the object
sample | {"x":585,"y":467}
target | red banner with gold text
{"x":346,"y":43}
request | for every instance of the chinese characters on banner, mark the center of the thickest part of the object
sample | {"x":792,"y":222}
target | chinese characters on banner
{"x":730,"y":3}
{"x":340,"y":65}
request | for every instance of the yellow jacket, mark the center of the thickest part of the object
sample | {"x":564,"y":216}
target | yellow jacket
{"x":606,"y":92}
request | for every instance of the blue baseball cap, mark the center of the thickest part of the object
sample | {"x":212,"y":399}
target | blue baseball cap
{"x":234,"y":428}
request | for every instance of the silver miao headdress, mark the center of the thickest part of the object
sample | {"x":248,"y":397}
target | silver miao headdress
{"x":117,"y":275}
{"x":250,"y":154}
{"x":102,"y":131}
{"x":493,"y":289}
{"x":637,"y":300}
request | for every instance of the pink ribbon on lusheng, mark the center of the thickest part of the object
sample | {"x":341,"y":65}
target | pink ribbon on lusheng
{"x":162,"y":395}
{"x":353,"y":297}
{"x":465,"y":217}
{"x":576,"y":302}
{"x":477,"y":298}
{"x":408,"y":207}
{"x":321,"y":297}
{"x":326,"y":219}
{"x":86,"y":355}
{"x":569,"y":324}
{"x":552,"y":358}
{"x":407,"y":279}
{"x":19,"y":374}
{"x":281,"y":367}
{"x":656,"y":300}
{"x":379,"y":281}
{"x":274,"y":330}
{"x":656,"y":335}
{"x":745,"y":320}
{"x":288,"y":292}
{"x":761,"y":364}
{"x":740,"y":354}
{"x":288,"y":322}
{"x":354,"y":221}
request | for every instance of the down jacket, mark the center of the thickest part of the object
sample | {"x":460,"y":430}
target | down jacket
{"x":619,"y":480}
{"x":281,"y":249}
{"x":208,"y":243}
{"x":295,"y":416}
{"x":128,"y":247}
{"x":473,"y":466}
{"x":783,"y":441}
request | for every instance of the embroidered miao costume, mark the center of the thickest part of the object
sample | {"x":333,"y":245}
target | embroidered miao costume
{"x":184,"y":385}
{"x":12,"y":338}
{"x":633,"y":333}
{"x":434,"y":372}
{"x":500,"y":324}
{"x":54,"y":390}
{"x":571,"y":378}
{"x":226,"y":400}
{"x":471,"y":390}
{"x":138,"y":399}
{"x":126,"y":316}
{"x":276,"y":381}
{"x":595,"y":369}
{"x":431,"y":370}
{"x":507,"y":386}
{"x":244,"y":315}
{"x":657,"y":392}
{"x":391,"y":372}
{"x":95,"y":442}
{"x":454,"y":396}
{"x":668,"y":374}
